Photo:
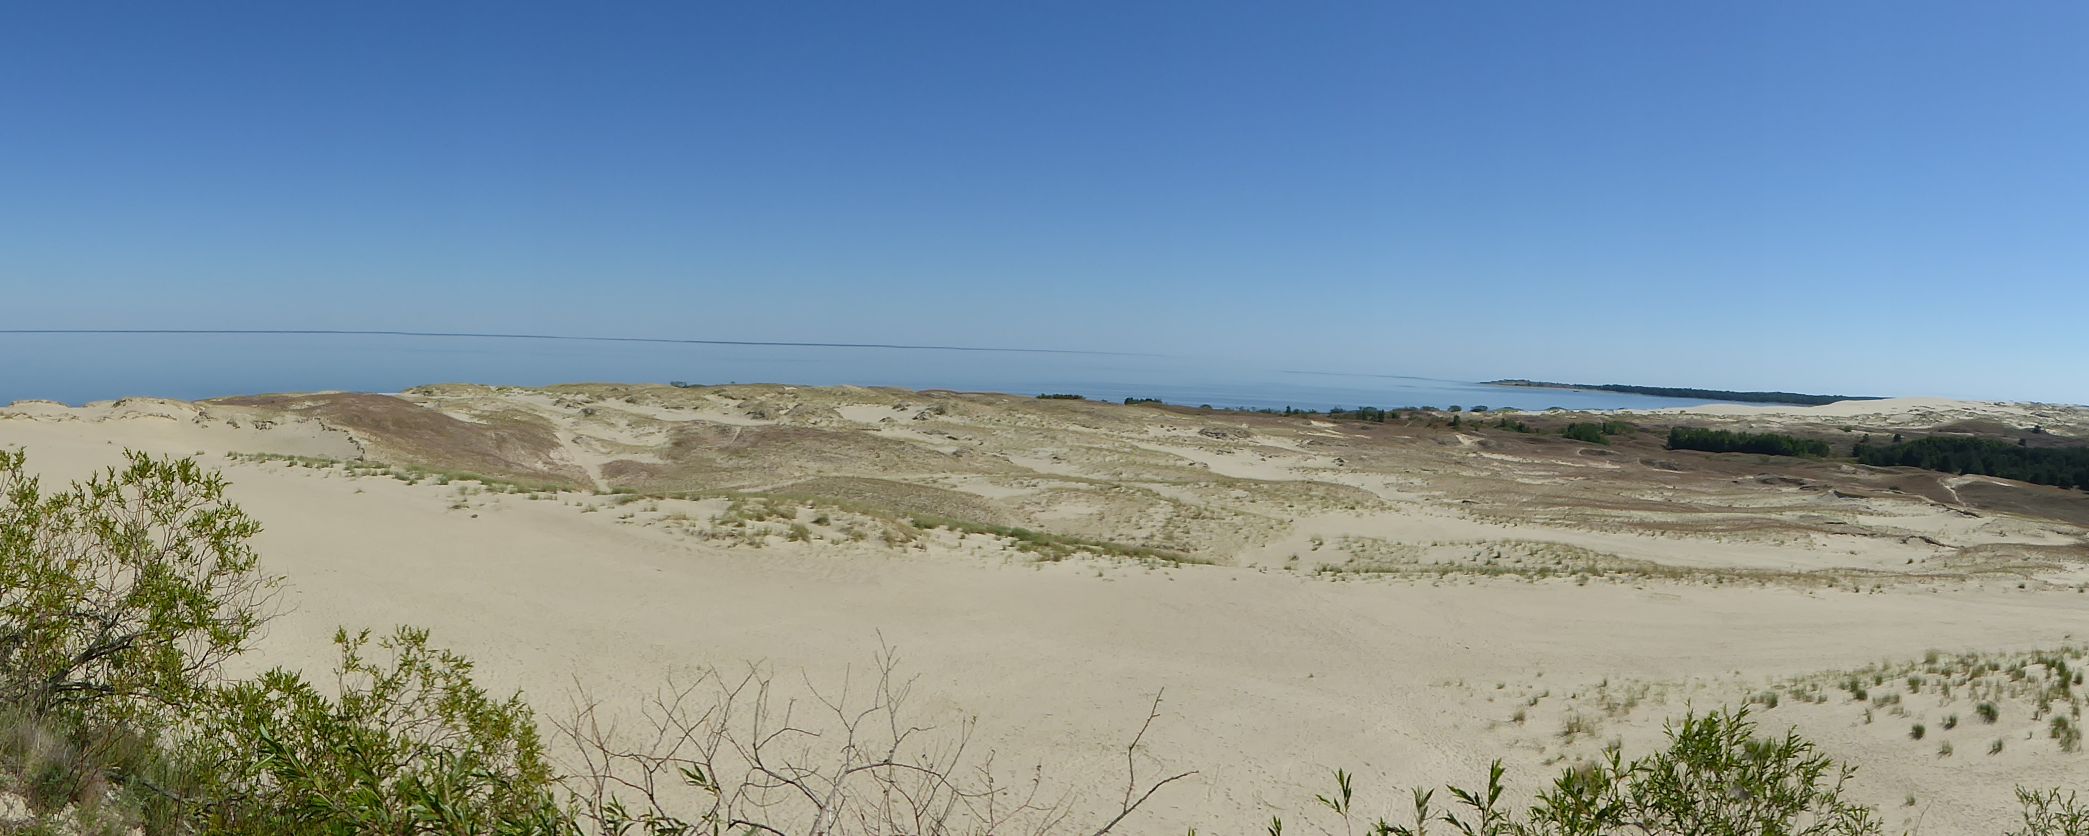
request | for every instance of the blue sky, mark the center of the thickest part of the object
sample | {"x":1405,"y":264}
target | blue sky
{"x":1885,"y":197}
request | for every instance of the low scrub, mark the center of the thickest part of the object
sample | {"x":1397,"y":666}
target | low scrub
{"x":1716,"y":777}
{"x":1597,"y":432}
{"x":403,"y":744}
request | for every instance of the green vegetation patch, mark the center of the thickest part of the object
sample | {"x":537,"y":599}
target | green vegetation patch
{"x":1597,"y":432}
{"x":1058,"y":546}
{"x":1727,"y":441}
{"x":410,"y":474}
{"x":2064,"y":467}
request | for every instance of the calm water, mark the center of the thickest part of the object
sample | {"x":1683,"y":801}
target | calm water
{"x":77,"y":368}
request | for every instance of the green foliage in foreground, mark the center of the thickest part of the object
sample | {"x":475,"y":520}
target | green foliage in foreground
{"x":120,"y":599}
{"x":2065,"y":467}
{"x":411,"y":745}
{"x":2050,"y":813}
{"x":124,"y":591}
{"x":1727,"y":441}
{"x":1716,"y":777}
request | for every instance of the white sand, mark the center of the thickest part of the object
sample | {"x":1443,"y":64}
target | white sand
{"x":1273,"y":679}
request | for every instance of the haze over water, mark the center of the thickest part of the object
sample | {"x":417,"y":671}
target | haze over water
{"x":78,"y":368}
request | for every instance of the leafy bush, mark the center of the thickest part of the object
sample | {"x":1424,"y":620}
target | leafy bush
{"x":1716,"y":777}
{"x":408,"y":746}
{"x":120,"y":594}
{"x":2048,"y":813}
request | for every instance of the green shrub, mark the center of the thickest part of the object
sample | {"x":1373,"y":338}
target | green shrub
{"x":121,"y":595}
{"x":1716,"y":777}
{"x":1598,"y":432}
{"x":411,"y":745}
{"x":2048,"y":813}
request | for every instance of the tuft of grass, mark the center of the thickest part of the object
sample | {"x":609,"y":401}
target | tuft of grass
{"x":1057,"y":546}
{"x":2066,"y":732}
{"x":410,"y":474}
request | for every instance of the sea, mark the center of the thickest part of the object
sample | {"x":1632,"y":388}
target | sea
{"x":78,"y":368}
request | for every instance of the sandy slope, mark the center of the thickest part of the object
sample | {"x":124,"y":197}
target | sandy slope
{"x":1890,"y":412}
{"x":1273,"y":677}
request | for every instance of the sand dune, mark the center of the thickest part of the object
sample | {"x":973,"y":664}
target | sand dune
{"x":1405,"y":602}
{"x":1925,"y":412}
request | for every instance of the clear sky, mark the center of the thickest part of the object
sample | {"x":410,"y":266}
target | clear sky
{"x":1860,"y":197}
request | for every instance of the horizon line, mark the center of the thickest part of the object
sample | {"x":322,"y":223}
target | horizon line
{"x":577,"y":338}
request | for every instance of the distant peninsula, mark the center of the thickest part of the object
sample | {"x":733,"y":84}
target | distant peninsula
{"x":1684,"y":392}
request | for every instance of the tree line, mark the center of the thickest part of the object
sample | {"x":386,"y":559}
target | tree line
{"x":1687,"y":392}
{"x":1726,"y":441}
{"x":2065,"y":467}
